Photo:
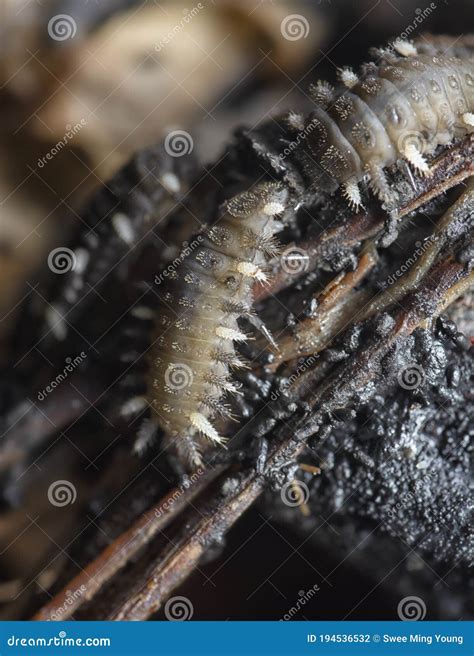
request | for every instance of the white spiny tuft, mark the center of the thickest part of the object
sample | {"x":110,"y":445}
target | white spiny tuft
{"x":133,"y":405}
{"x":251,"y":270}
{"x":351,"y":192}
{"x":348,"y":77}
{"x":322,"y":92}
{"x":204,"y":426}
{"x":231,"y":333}
{"x":468,"y":119}
{"x":405,"y":48}
{"x":416,"y":159}
{"x":123,"y":228}
{"x":273,"y":207}
{"x":295,"y":121}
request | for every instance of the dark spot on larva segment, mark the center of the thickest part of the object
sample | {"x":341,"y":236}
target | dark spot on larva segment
{"x":193,"y":353}
{"x":469,"y":80}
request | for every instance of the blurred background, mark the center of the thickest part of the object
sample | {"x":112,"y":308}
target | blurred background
{"x":86,"y":83}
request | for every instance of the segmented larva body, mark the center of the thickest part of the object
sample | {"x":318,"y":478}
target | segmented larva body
{"x":415,"y":98}
{"x":193,"y":340}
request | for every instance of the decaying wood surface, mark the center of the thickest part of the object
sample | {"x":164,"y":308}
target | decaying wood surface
{"x":204,"y":512}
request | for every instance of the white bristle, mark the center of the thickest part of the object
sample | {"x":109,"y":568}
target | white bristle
{"x":204,"y":426}
{"x":405,"y":48}
{"x":348,"y":77}
{"x":231,"y":333}
{"x":273,"y":207}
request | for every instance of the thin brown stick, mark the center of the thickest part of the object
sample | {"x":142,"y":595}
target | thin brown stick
{"x":213,"y":514}
{"x":452,"y":167}
{"x":177,"y":561}
{"x":124,"y":548}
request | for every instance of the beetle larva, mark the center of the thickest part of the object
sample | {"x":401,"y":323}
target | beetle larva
{"x":414,"y":99}
{"x":196,"y":326}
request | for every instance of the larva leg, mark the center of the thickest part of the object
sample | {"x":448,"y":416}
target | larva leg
{"x":378,"y":182}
